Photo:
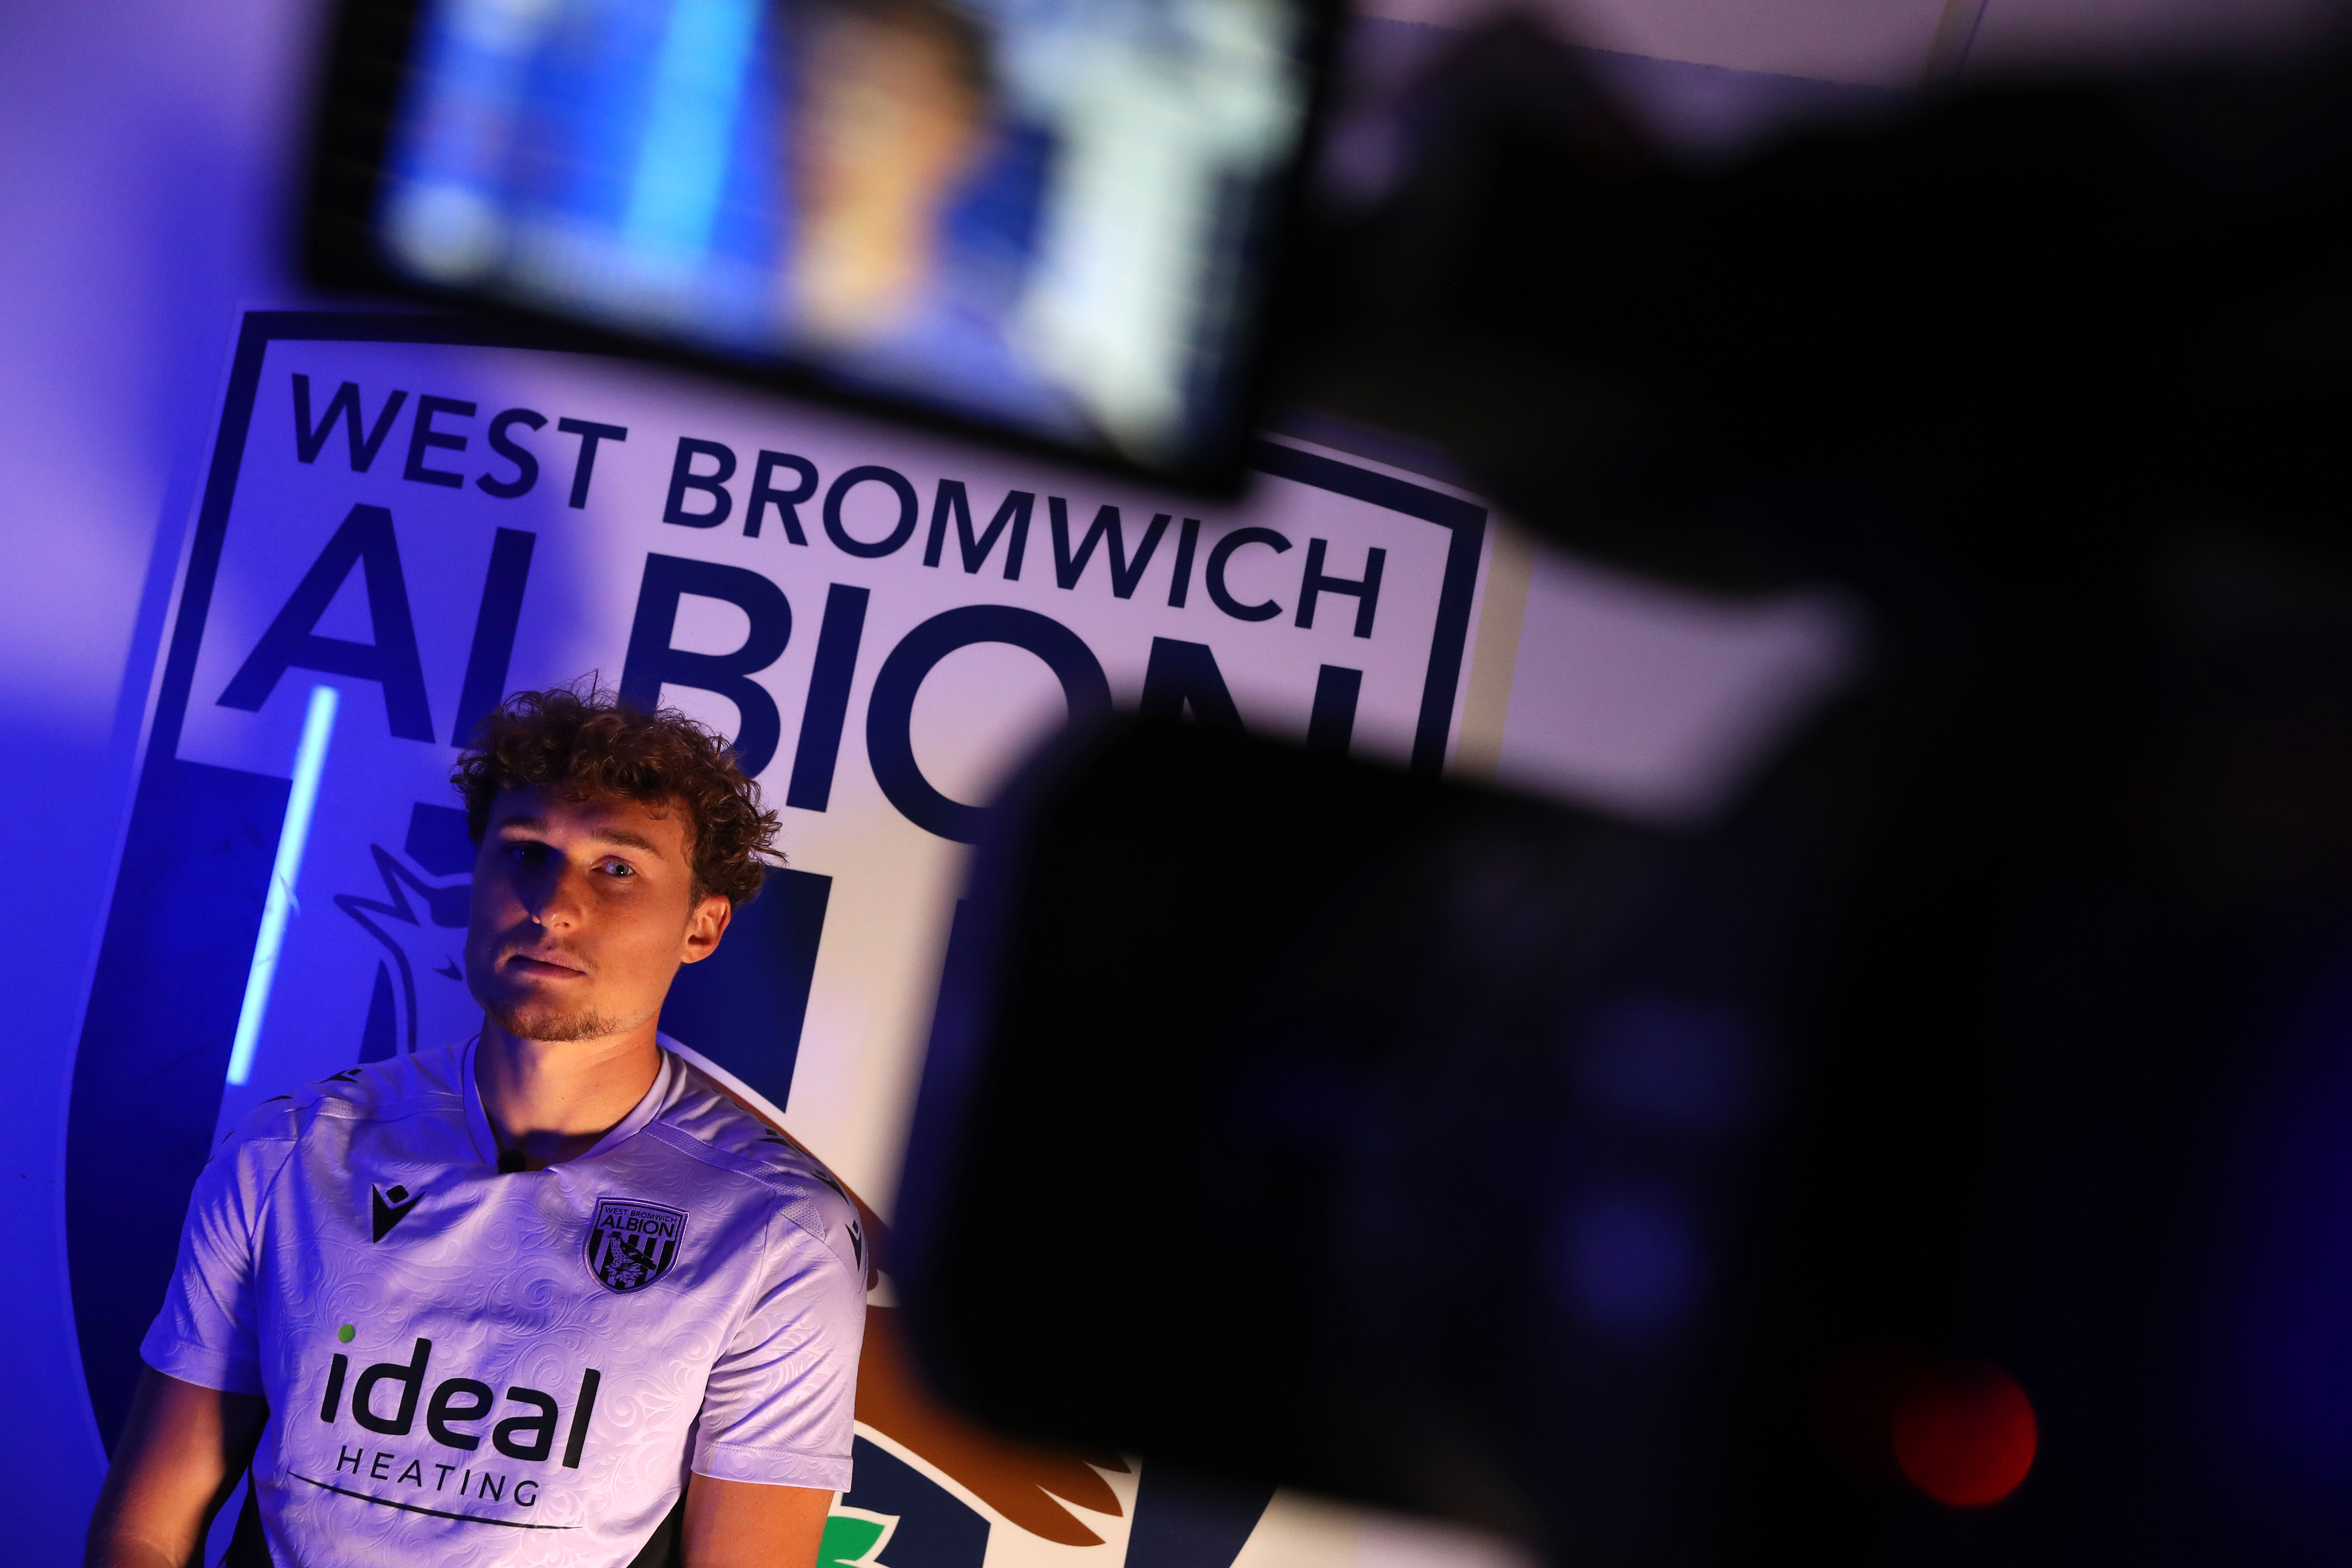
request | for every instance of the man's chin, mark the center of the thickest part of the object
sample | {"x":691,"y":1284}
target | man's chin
{"x":554,"y":1026}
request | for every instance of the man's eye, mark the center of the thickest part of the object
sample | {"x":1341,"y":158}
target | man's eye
{"x":618,"y":869}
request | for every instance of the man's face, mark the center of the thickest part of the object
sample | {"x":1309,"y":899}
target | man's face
{"x":583,"y":912}
{"x":885,"y":121}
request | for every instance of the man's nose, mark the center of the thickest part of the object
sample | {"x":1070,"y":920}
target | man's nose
{"x":553,"y":899}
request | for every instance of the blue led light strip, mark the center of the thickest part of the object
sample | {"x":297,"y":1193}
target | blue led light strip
{"x":309,"y":762}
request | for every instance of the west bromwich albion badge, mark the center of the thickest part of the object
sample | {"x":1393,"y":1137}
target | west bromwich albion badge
{"x":632,"y":1244}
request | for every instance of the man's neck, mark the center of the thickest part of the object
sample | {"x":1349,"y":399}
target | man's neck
{"x":553,"y":1099}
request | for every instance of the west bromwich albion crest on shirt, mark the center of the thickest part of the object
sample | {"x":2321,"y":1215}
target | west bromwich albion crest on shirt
{"x":472,"y":1368}
{"x":632,"y":1244}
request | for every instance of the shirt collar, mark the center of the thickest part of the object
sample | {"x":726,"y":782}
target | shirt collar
{"x":666,"y":1081}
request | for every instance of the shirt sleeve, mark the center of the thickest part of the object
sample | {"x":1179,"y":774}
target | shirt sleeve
{"x":208,"y":1332}
{"x":782,"y":1397}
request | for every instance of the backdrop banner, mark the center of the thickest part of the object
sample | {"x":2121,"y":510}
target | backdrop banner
{"x":408,"y":517}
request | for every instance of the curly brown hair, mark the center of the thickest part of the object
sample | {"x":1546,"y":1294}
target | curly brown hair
{"x":591,"y":745}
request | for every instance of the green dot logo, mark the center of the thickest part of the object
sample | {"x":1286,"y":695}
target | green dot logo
{"x":345,"y":1333}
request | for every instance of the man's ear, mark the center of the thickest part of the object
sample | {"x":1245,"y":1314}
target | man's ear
{"x":705,"y":927}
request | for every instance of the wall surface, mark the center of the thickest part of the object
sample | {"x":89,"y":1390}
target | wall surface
{"x":1905,"y":43}
{"x":142,"y":173}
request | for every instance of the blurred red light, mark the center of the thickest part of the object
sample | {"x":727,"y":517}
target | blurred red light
{"x":1964,"y":1433}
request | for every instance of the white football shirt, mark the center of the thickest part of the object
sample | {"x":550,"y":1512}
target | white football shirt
{"x":467,"y":1368}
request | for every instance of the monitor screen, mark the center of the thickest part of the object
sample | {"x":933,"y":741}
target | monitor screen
{"x":1051,"y":216}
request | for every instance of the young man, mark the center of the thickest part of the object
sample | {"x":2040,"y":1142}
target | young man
{"x":507,"y":1301}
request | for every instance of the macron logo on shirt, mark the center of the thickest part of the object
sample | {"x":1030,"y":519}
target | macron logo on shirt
{"x":391,"y":1207}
